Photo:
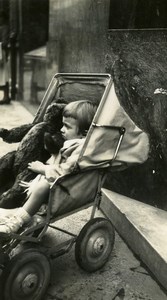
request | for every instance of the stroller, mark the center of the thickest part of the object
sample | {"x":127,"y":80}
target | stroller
{"x":113,"y":141}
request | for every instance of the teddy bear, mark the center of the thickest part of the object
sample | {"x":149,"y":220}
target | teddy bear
{"x":13,"y":165}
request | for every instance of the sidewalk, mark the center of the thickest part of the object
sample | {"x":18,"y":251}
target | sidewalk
{"x":123,"y":277}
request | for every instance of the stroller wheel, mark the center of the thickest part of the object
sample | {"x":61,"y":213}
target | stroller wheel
{"x":94,"y":244}
{"x":26,"y":276}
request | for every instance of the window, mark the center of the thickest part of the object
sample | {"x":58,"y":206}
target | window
{"x":138,"y":14}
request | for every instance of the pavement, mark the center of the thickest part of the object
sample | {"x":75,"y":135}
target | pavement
{"x":124,"y":277}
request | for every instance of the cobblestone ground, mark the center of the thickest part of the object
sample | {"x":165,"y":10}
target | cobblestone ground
{"x":124,"y":277}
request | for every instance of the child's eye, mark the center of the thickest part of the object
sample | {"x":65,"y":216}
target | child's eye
{"x":67,"y":126}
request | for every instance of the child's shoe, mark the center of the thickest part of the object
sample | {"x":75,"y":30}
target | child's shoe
{"x":10,"y":224}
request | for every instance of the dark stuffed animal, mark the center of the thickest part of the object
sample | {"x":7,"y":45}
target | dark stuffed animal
{"x":13,"y":165}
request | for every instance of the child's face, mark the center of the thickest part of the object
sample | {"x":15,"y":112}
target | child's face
{"x":70,"y":129}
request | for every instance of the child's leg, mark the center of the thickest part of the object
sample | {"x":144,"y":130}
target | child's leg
{"x":39,"y":195}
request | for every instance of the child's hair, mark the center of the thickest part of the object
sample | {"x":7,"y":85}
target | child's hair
{"x":83,"y":111}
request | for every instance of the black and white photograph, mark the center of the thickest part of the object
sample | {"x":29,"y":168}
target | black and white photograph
{"x":83,"y":159}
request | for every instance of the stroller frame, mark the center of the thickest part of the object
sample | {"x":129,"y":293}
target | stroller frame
{"x":89,"y":256}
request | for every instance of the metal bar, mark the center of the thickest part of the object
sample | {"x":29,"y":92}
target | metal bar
{"x":118,"y":145}
{"x":121,"y":129}
{"x":97,"y":199}
{"x":62,"y":248}
{"x":62,"y":230}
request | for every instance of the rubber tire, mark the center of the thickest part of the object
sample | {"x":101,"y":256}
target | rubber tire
{"x":26,"y":276}
{"x":94,"y":244}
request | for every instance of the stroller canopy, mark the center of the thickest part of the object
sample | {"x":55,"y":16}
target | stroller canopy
{"x":103,"y":136}
{"x":104,"y":133}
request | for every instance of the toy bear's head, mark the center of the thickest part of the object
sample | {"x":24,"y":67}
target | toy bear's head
{"x":53,"y":116}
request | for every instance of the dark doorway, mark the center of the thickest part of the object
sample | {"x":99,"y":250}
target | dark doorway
{"x":35,"y":16}
{"x":138,"y":14}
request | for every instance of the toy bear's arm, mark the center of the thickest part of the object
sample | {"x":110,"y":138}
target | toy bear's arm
{"x":15,"y":134}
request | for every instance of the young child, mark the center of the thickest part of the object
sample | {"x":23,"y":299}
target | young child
{"x":77,"y":117}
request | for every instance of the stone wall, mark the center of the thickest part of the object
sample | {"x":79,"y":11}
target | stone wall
{"x":138,"y":62}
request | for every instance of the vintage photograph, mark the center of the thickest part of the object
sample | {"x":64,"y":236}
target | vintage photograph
{"x":83,"y":136}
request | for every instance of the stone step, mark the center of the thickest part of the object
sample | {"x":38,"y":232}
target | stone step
{"x":143,"y":228}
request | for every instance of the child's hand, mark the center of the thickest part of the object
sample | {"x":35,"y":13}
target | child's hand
{"x":37,"y":167}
